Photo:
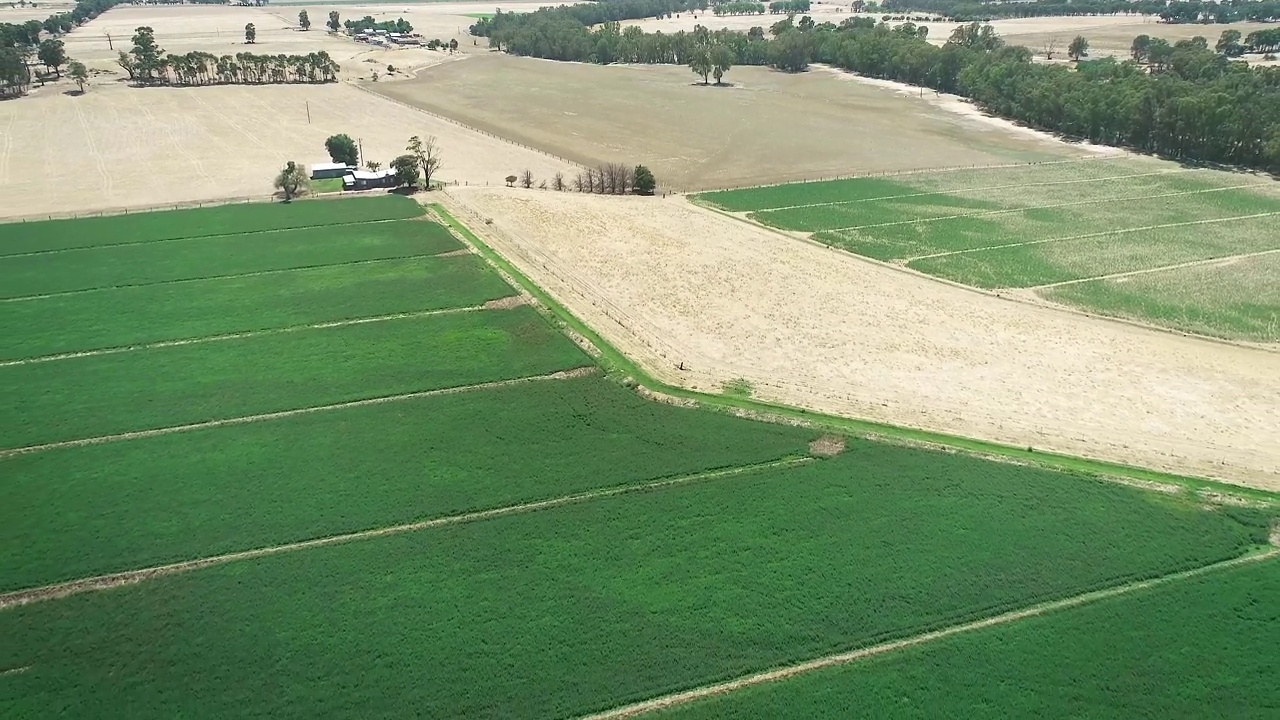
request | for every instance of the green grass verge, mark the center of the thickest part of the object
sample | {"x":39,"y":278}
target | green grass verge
{"x":187,"y":259}
{"x":106,"y":394}
{"x":327,"y":185}
{"x":616,"y":362}
{"x":200,"y":308}
{"x":84,"y":511}
{"x":588,"y":606}
{"x":1199,"y":648}
{"x":220,"y":220}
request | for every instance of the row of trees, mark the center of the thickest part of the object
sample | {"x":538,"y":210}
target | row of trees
{"x":605,"y":179}
{"x":147,"y":63}
{"x":588,"y":14}
{"x":1182,"y":100}
{"x":738,"y":7}
{"x":1183,"y":11}
{"x":367,"y":23}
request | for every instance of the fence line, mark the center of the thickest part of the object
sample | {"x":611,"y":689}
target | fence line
{"x":184,"y":205}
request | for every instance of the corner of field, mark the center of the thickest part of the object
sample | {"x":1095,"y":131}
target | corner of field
{"x":618,"y":366}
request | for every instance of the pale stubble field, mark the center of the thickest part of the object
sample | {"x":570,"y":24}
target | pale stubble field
{"x":673,"y":284}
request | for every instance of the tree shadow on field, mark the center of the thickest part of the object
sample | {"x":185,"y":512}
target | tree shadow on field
{"x":720,"y":85}
{"x":73,"y":93}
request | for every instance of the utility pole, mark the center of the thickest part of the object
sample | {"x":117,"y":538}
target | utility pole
{"x":308,"y":112}
{"x":360,"y":147}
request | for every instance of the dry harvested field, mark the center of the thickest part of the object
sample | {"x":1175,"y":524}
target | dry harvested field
{"x":808,"y":326}
{"x":37,"y":11}
{"x":767,"y":127}
{"x":118,"y":146}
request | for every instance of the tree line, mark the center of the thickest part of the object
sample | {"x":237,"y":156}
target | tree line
{"x":148,"y":64}
{"x":588,"y":14}
{"x":1189,"y":11}
{"x":1181,"y":100}
{"x":20,"y":43}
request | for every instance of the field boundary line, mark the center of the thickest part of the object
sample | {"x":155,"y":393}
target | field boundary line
{"x":978,"y":189}
{"x":54,"y":251}
{"x":228,"y":276}
{"x":1162,"y":268}
{"x":988,"y":213}
{"x":666,"y":702}
{"x":57,"y":591}
{"x":246,"y":334}
{"x":279,"y":414}
{"x":1088,"y":236}
{"x":917,"y":171}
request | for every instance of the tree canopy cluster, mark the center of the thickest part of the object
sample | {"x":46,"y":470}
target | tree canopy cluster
{"x":1192,"y":11}
{"x":147,"y":63}
{"x":20,"y":41}
{"x":585,"y":14}
{"x":1181,"y":100}
{"x":367,"y":23}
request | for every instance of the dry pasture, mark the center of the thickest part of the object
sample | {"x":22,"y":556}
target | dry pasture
{"x":118,"y":146}
{"x":670,"y":283}
{"x":768,"y":127}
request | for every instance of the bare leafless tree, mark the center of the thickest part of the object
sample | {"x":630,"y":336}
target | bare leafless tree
{"x":557,"y":182}
{"x":578,"y":183}
{"x":1050,"y":46}
{"x":526,"y":179}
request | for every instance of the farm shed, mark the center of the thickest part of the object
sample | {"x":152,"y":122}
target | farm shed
{"x":321,"y":171}
{"x":366,"y":180}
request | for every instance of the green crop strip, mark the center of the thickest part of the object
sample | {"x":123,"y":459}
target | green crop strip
{"x":1206,"y":646}
{"x":191,"y":258}
{"x":221,"y":220}
{"x":85,"y":511}
{"x":199,"y":308}
{"x":92,"y":396}
{"x":615,"y":600}
{"x":622,"y":366}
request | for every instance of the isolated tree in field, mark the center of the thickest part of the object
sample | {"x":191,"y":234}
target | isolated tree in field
{"x":292,"y":181}
{"x":148,"y":58}
{"x":52,"y":54}
{"x":721,"y":60}
{"x":557,"y":182}
{"x":406,"y":169}
{"x":526,"y":179}
{"x":428,"y":154}
{"x":1078,"y":48}
{"x":1050,"y":47}
{"x":304,"y":20}
{"x":78,"y":72}
{"x":334,"y":23}
{"x":373,"y":165}
{"x":250,"y":34}
{"x":642,"y":180}
{"x":511,"y":180}
{"x":453,"y":46}
{"x":342,"y":149}
{"x":700,"y":62}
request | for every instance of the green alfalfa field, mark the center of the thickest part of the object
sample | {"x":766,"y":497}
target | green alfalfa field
{"x":623,"y":549}
{"x":1069,"y":232}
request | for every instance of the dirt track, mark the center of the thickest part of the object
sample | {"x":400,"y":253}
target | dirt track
{"x":671,"y":283}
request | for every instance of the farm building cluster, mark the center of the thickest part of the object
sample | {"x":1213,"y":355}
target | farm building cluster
{"x":353,"y":178}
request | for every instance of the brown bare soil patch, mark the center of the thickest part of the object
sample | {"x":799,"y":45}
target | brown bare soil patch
{"x":808,"y":326}
{"x":768,"y":127}
{"x":827,"y":446}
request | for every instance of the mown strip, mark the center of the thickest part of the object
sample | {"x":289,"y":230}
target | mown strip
{"x":606,"y":602}
{"x":185,"y":259}
{"x":199,"y":308}
{"x":1203,"y":647}
{"x":620,"y":364}
{"x":91,"y":510}
{"x":107,"y":394}
{"x":221,"y":220}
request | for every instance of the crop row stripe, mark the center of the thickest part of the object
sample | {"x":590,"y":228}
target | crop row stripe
{"x":977,"y":189}
{"x":790,"y":671}
{"x":1162,"y":268}
{"x":227,"y":422}
{"x":1007,"y":211}
{"x":1104,"y":233}
{"x":54,"y":251}
{"x":131,"y":577}
{"x":228,"y":276}
{"x":238,"y":335}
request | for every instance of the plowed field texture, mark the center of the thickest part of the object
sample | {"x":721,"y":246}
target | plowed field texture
{"x":1193,"y":250}
{"x":291,"y":461}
